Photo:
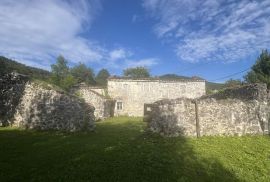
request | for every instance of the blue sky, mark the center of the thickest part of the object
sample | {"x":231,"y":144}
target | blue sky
{"x":211,"y":38}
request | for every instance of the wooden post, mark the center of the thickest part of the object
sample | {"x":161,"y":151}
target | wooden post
{"x":268,"y":126}
{"x":197,"y":119}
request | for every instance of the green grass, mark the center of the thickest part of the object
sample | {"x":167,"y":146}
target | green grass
{"x":120,"y":150}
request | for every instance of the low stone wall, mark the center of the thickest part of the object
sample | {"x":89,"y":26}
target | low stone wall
{"x":237,"y":111}
{"x":104,"y":107}
{"x":47,"y":109}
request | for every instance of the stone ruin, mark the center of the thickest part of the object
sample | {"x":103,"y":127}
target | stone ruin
{"x":126,"y":97}
{"x":28,"y":104}
{"x":96,"y":97}
{"x":237,"y":111}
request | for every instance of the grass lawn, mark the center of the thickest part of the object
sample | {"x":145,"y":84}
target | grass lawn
{"x":120,"y":150}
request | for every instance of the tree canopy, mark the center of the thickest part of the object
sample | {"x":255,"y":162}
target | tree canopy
{"x":102,"y":77}
{"x":61,"y":75}
{"x":83,"y":74}
{"x":60,"y":68}
{"x":137,"y":72}
{"x":260,"y":71}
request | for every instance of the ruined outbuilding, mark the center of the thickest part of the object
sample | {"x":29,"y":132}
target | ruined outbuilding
{"x":236,"y":111}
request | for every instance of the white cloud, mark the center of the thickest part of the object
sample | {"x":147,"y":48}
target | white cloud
{"x":212,"y":30}
{"x":148,"y":62}
{"x":119,"y":53}
{"x":37,"y":31}
{"x":121,"y":58}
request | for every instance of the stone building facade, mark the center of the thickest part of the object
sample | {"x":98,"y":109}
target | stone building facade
{"x":237,"y":111}
{"x":131,"y":94}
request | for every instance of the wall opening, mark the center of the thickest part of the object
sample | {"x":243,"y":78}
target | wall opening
{"x":119,"y":105}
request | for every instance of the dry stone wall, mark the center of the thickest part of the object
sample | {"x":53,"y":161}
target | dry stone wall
{"x":133,"y":94}
{"x":94,"y":96}
{"x":99,"y":90}
{"x":11,"y":90}
{"x":47,"y":109}
{"x":238,"y":111}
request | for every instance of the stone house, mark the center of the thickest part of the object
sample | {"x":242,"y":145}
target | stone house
{"x":131,"y":94}
{"x":126,"y":96}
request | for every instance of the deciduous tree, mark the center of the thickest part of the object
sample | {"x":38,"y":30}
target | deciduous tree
{"x":60,"y":74}
{"x":83,"y":74}
{"x":137,"y":72}
{"x":102,"y":77}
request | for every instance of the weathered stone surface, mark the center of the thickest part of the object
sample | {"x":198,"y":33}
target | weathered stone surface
{"x":96,"y":97}
{"x":99,"y":90}
{"x":50,"y":110}
{"x":11,"y":90}
{"x":134,"y":93}
{"x":46,"y":109}
{"x":239,"y":111}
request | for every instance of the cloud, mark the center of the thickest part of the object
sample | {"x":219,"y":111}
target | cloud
{"x":119,"y":53}
{"x":148,"y":62}
{"x":212,"y":30}
{"x":36,"y":31}
{"x":121,"y":58}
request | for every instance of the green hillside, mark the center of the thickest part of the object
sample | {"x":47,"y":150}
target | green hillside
{"x":8,"y":65}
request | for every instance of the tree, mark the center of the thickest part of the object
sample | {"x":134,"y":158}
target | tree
{"x":60,"y":70}
{"x":60,"y":74}
{"x":68,"y":82}
{"x":233,"y":83}
{"x":137,"y":72}
{"x":102,"y":77}
{"x":260,"y":71}
{"x":83,"y":74}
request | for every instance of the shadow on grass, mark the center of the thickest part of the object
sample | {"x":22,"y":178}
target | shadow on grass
{"x":116,"y":151}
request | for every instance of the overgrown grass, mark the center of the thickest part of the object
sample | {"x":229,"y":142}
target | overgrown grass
{"x":120,"y":150}
{"x":47,"y":85}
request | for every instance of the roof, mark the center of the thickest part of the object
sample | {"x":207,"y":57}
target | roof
{"x":192,"y":79}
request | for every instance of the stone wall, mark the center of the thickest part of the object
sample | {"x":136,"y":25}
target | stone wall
{"x":133,"y":94}
{"x":99,"y":90}
{"x":94,"y":96}
{"x":11,"y":90}
{"x":237,"y":111}
{"x":44,"y":108}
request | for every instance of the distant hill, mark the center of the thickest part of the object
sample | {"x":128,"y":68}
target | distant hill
{"x":8,"y":65}
{"x":214,"y":86}
{"x":173,"y":77}
{"x":209,"y":85}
